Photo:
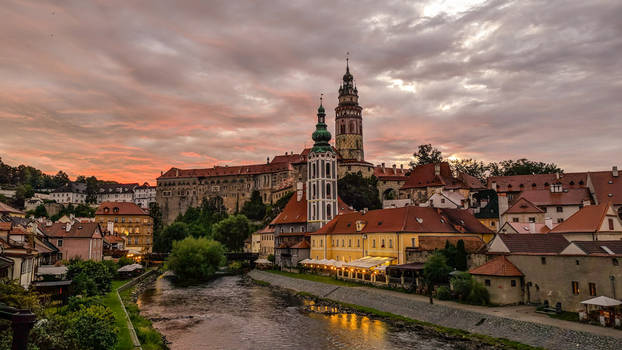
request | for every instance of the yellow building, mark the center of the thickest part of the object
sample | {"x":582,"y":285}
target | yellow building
{"x":388,"y":232}
{"x":10,"y":211}
{"x":129,"y":221}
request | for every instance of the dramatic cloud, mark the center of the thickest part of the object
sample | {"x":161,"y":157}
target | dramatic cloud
{"x":125,"y":89}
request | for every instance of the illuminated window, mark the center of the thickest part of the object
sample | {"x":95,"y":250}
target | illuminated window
{"x":575,"y":287}
{"x":592,"y":289}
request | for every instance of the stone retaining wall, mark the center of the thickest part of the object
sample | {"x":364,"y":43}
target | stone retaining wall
{"x":534,"y":334}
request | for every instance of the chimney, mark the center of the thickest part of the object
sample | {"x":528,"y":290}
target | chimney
{"x":503,"y":206}
{"x":494,"y":186}
{"x":557,"y":176}
{"x":161,"y":172}
{"x":176,"y":172}
{"x":364,"y":211}
{"x":402,"y":166}
{"x":267,"y":160}
{"x":285,"y":153}
{"x":68,"y":226}
{"x":532,"y":227}
{"x":548,"y":222}
{"x":437,"y":169}
{"x":299,"y":191}
{"x":383,"y":167}
{"x":614,"y":171}
{"x":394,"y":169}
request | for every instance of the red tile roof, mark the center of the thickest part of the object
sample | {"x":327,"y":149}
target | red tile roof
{"x":406,"y":219}
{"x":124,"y":208}
{"x":535,"y":243}
{"x":526,"y":182}
{"x":296,"y":211}
{"x":77,"y":230}
{"x":587,"y":219}
{"x":471,"y":244}
{"x":288,"y":158}
{"x":113,"y":238}
{"x":574,"y":196}
{"x":425,"y":176}
{"x":606,"y":186}
{"x":5,"y":226}
{"x":5,"y":208}
{"x":524,"y":227}
{"x":390,"y":173}
{"x":523,"y":206}
{"x":301,"y":245}
{"x":499,"y":266}
{"x":227,"y":170}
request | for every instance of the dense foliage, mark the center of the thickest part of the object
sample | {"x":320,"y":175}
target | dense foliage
{"x":455,"y":256}
{"x":274,"y":209}
{"x":359,"y":192}
{"x":469,"y":290}
{"x":436,"y":269}
{"x":195,"y":259}
{"x":91,"y":277}
{"x":426,"y":154}
{"x":429,"y":154}
{"x":232,"y":232}
{"x":83,"y":324}
{"x":254,"y":209}
{"x":81,"y":211}
{"x":27,"y":175}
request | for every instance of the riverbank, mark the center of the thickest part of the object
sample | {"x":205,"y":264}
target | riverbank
{"x":477,"y":324}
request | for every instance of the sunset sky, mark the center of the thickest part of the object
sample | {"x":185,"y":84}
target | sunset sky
{"x":125,"y":89}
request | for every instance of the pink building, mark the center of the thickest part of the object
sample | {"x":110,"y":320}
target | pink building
{"x":82,"y":240}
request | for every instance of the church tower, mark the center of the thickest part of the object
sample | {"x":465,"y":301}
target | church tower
{"x":321,"y":176}
{"x":348,"y":120}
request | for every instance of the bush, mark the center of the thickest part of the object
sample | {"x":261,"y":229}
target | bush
{"x":195,"y":259}
{"x":479,"y":294}
{"x":93,"y":328}
{"x":462,"y":283}
{"x":232,"y":232}
{"x":91,"y":277}
{"x":271,"y":258}
{"x":123,"y":261}
{"x":443,"y":293}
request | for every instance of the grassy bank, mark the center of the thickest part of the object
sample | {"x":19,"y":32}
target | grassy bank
{"x":149,"y":338}
{"x":458,"y":333}
{"x":111,"y":300}
{"x":315,"y":278}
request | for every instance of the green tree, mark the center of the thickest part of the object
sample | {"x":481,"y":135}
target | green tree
{"x":426,"y":154}
{"x":93,"y":328}
{"x":450,"y":254}
{"x":22,"y":193}
{"x":92,"y":186}
{"x":90,"y":277}
{"x":195,"y":259}
{"x":174,"y":232}
{"x":40,"y":212}
{"x":232,"y":232}
{"x":469,"y":166}
{"x":254,"y":209}
{"x":461,"y":256}
{"x":435,"y":271}
{"x":359,"y":192}
{"x":522,"y":167}
{"x":461,"y":283}
{"x":156,"y":215}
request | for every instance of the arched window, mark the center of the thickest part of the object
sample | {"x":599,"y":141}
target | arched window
{"x":313,"y":170}
{"x":314,"y":191}
{"x":328,"y":169}
{"x":343,"y":128}
{"x":352,"y":128}
{"x":329,"y":212}
{"x":328,"y":193}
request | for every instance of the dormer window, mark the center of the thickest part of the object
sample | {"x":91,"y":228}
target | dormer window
{"x":106,"y":210}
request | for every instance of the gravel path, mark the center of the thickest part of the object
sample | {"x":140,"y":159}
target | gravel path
{"x":535,"y":334}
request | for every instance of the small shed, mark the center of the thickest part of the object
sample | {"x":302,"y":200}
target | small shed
{"x":502,"y":279}
{"x":129,"y":271}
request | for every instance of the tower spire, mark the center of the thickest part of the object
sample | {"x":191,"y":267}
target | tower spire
{"x":348,"y":62}
{"x":321,"y":135}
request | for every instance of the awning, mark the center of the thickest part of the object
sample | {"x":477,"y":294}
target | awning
{"x":51,"y":270}
{"x":263,"y":261}
{"x":369,"y":262}
{"x":130,"y":268}
{"x":602,"y":301}
{"x":407,"y":267}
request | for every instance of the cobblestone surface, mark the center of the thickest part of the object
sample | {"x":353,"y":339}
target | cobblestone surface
{"x":535,"y":334}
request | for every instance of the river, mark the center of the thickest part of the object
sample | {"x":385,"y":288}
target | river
{"x":234,"y":313}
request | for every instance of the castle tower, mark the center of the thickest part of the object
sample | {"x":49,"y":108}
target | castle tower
{"x":348,"y":120}
{"x":321,"y":176}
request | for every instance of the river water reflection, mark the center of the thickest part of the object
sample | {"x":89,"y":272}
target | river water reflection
{"x":233,"y":313}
